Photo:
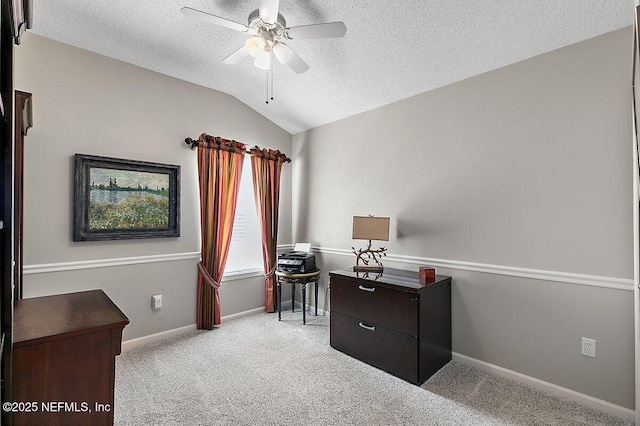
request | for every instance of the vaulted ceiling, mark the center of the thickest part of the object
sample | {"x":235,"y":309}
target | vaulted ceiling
{"x":392,"y":50}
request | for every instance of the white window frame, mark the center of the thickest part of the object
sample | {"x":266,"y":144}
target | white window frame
{"x":246,"y":240}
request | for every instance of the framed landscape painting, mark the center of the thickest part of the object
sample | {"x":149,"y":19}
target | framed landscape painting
{"x":116,"y":199}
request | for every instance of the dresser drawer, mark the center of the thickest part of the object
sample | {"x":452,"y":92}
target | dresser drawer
{"x":393,"y":309}
{"x":393,"y":352}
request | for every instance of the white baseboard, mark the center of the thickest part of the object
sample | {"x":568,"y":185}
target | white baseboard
{"x":547,"y":387}
{"x":241,"y":314}
{"x":144,"y":340}
{"x":134,"y":343}
{"x":310,"y":308}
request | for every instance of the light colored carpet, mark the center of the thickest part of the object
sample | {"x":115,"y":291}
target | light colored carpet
{"x":258,"y":371}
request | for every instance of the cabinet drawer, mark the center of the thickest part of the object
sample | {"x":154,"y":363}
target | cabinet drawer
{"x":374,"y":304}
{"x":393,"y":352}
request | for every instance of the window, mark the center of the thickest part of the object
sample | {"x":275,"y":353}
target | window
{"x":245,"y":251}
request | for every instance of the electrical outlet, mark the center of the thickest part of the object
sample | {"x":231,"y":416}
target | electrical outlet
{"x":156,"y":301}
{"x":589,"y":347}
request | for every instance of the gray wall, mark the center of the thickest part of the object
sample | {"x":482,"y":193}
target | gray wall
{"x":88,"y":103}
{"x":522,"y":171}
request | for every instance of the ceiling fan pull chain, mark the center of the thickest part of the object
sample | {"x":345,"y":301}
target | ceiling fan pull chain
{"x":271,"y":68}
{"x":267,"y":87}
{"x":270,"y":79}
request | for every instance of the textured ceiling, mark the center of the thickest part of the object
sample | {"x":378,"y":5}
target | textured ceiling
{"x":393,"y":49}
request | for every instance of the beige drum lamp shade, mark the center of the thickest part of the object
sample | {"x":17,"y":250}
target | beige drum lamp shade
{"x":370,"y":228}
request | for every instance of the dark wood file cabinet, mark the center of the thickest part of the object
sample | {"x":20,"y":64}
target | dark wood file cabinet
{"x":396,"y":322}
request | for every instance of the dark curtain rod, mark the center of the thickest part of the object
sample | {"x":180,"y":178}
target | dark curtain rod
{"x":194,"y":143}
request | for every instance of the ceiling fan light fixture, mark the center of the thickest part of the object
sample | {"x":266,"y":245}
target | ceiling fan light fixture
{"x":254,"y":45}
{"x":263,"y":60}
{"x":267,"y":29}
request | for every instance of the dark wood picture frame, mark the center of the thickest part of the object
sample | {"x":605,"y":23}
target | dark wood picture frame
{"x":84,"y":224}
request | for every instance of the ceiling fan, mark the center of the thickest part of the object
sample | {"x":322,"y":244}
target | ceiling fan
{"x":268,"y":30}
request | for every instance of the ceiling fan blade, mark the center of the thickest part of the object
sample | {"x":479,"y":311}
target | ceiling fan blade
{"x":269,"y":10}
{"x":327,"y":30}
{"x":297,"y":64}
{"x":192,"y":13}
{"x":287,"y":56}
{"x":236,"y":56}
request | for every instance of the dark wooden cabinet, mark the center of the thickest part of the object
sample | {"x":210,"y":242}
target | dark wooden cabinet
{"x":7,"y":229}
{"x":396,"y":321}
{"x":15,"y":17}
{"x":64,"y":351}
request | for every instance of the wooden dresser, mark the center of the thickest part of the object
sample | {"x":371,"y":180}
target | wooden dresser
{"x":64,"y":350}
{"x":396,"y":322}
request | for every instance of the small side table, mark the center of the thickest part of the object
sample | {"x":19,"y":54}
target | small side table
{"x":293,"y":279}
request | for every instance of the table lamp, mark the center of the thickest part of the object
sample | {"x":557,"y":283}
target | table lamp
{"x":370,"y":228}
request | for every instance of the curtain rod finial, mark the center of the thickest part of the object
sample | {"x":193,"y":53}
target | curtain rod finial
{"x":191,"y":143}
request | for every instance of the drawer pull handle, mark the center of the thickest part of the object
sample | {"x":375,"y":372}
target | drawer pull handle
{"x":369,"y":289}
{"x":367,"y":327}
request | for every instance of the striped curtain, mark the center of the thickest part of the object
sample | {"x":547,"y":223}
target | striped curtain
{"x":219,"y":171}
{"x":266,"y":166}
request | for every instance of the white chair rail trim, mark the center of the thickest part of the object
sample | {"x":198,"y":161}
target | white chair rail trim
{"x":105,"y":263}
{"x":538,"y":274}
{"x":134,"y":260}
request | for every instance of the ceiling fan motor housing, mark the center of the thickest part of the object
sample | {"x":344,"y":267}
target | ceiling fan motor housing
{"x":255,"y":23}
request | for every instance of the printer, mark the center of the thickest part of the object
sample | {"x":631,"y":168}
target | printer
{"x":296,"y":262}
